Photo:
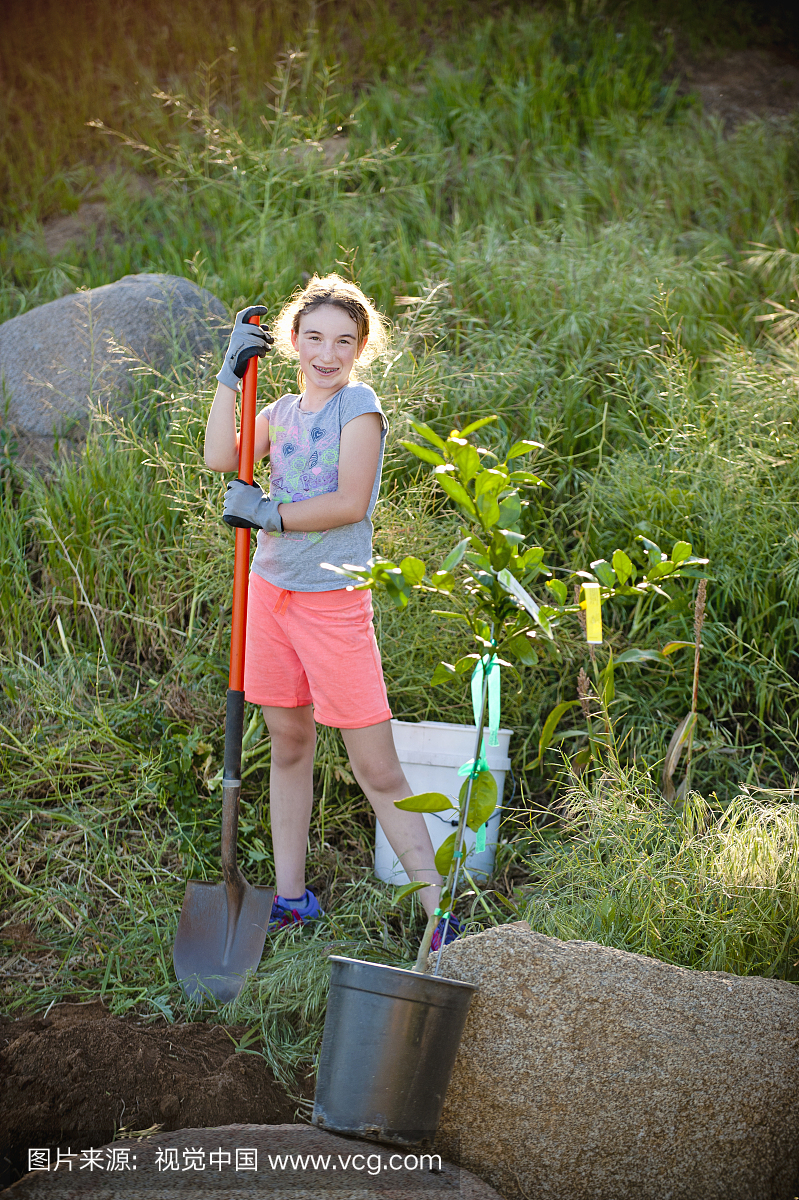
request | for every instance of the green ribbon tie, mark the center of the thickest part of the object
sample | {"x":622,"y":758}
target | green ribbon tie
{"x":488,"y":665}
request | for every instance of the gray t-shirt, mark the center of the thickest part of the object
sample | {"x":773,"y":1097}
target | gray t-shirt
{"x":303,"y":454}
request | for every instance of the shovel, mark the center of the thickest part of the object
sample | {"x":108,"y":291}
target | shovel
{"x":222,"y":926}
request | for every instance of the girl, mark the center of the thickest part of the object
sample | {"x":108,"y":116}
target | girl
{"x":311,"y":649}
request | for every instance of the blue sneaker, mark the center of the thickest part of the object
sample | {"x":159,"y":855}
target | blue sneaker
{"x":283,"y":914}
{"x":454,"y":930}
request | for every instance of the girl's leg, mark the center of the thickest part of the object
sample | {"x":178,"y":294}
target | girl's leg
{"x":378,"y":771}
{"x":293,"y":734}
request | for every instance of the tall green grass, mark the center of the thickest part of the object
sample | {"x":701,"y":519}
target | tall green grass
{"x":559,"y":239}
{"x":710,"y":888}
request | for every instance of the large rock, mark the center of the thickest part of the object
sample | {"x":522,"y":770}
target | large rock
{"x":586,"y":1073}
{"x":345,"y":1168}
{"x":60,"y":359}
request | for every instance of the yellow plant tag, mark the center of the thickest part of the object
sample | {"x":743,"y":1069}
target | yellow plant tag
{"x":593,"y":614}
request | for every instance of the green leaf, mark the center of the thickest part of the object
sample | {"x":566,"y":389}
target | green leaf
{"x":483,"y":800}
{"x":423,"y":452}
{"x":382,"y":568}
{"x":412,"y":569}
{"x":522,"y":648}
{"x":449,"y":614}
{"x":488,"y":510}
{"x":604,"y":572}
{"x":409,"y":889}
{"x":442,"y":581}
{"x":634,"y":655}
{"x":538,"y":613}
{"x":467,"y":460}
{"x":456,"y":491}
{"x":681,"y":551}
{"x":467,"y":663}
{"x":527,"y":477}
{"x":558,"y":587}
{"x":426,"y":802}
{"x":475,"y":425}
{"x":479,"y":560}
{"x":483,"y":631}
{"x":500,"y":551}
{"x":393,"y":581}
{"x":532,"y":558}
{"x":444,"y":855}
{"x":550,"y":725}
{"x":427,"y":433}
{"x":653,"y":550}
{"x":523,"y":447}
{"x":489,"y":482}
{"x":455,"y":555}
{"x":444,"y":673}
{"x":659,"y":569}
{"x":510,"y":510}
{"x":622,"y":565}
{"x":397,"y":598}
{"x":672,"y":646}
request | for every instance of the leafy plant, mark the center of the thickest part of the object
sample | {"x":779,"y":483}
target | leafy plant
{"x":486,"y":578}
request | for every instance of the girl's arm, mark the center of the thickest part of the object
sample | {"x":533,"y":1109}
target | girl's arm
{"x":359,"y":456}
{"x":221,"y":435}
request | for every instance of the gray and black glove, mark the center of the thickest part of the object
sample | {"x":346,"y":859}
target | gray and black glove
{"x":248,"y":507}
{"x":246,"y":342}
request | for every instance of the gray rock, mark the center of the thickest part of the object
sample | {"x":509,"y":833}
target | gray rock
{"x":61,"y":359}
{"x":395,"y":1173}
{"x":586,"y":1073}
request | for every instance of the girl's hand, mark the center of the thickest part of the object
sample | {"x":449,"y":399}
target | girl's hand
{"x":248,"y":507}
{"x":246,"y":342}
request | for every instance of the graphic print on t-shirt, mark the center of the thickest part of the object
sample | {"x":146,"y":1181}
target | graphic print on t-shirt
{"x":304,"y":462}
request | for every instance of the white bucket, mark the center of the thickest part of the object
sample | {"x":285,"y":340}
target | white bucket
{"x":431,"y":752}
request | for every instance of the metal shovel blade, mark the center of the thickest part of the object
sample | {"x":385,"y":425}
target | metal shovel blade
{"x":223,"y":926}
{"x":220,"y":937}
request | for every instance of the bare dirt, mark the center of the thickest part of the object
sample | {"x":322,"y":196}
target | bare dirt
{"x":79,"y":1077}
{"x":91,"y":219}
{"x":741,"y":85}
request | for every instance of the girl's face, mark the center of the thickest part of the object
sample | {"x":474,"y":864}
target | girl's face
{"x":327,"y":343}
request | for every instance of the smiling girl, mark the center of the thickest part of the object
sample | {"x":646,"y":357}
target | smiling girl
{"x":312,"y":656}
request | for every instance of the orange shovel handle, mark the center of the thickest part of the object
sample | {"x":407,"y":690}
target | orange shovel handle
{"x":241,"y":566}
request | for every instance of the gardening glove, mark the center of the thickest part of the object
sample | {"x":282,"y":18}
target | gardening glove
{"x":248,"y":507}
{"x":246,"y":342}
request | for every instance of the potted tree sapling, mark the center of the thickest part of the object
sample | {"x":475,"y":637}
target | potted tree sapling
{"x":489,"y":578}
{"x":371,"y":1082}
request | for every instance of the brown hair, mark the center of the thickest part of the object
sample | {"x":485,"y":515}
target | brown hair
{"x":332,"y":289}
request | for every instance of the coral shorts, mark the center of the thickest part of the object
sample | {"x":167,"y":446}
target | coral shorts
{"x":314,"y":648}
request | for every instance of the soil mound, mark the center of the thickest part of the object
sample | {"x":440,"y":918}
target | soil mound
{"x":79,"y":1076}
